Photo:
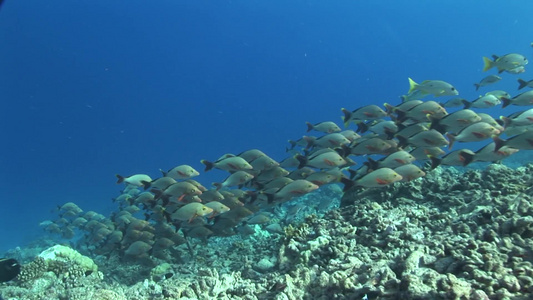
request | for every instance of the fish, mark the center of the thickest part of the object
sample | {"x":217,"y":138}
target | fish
{"x":135,"y":180}
{"x":485,"y":101}
{"x":473,"y":133}
{"x":231,"y":164}
{"x":522,"y":141}
{"x":428,"y":138}
{"x":487,"y":80}
{"x":324,"y":160}
{"x":519,"y":118}
{"x":262,"y":163}
{"x":420,"y":112}
{"x":460,"y":157}
{"x":217,"y":207}
{"x":330,"y":140}
{"x":181,"y":172}
{"x":9,"y":269}
{"x":406,"y":105}
{"x":517,"y":70}
{"x":368,"y":112}
{"x":523,"y":99}
{"x":505,"y":62}
{"x":159,"y":183}
{"x":381,"y":127}
{"x":488,"y":153}
{"x":423,"y":153}
{"x":327,"y":127}
{"x":178,"y":190}
{"x":436,"y":88}
{"x":235,"y":179}
{"x":392,"y":160}
{"x":454,"y":102}
{"x":296,"y":188}
{"x":190,"y":211}
{"x":522,"y":83}
{"x":251,"y":155}
{"x":455,"y":121}
{"x":373,"y":145}
{"x":409,"y":172}
{"x":377,"y":178}
{"x":490,"y":120}
{"x":499,"y":93}
{"x":260,"y":218}
{"x":350,"y":135}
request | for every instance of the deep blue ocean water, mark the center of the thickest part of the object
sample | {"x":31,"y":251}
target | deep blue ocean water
{"x":94,"y":88}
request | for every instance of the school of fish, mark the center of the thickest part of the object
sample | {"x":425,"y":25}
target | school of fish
{"x":398,"y":143}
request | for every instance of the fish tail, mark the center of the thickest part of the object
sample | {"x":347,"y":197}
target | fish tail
{"x":146,"y":184}
{"x":521,"y":83}
{"x":302,"y":159}
{"x":467,"y":157}
{"x":487,"y":63}
{"x":435,"y":162}
{"x":466,"y":103}
{"x":208,"y":165}
{"x":451,"y":138}
{"x":506,"y":121}
{"x":120,"y":179}
{"x":348,"y":184}
{"x":163,"y":172}
{"x":412,"y":85}
{"x":346,"y":117}
{"x":477,"y":85}
{"x":402,"y":141}
{"x":435,"y":124}
{"x":389,"y":109}
{"x":498,"y":143}
{"x":309,"y":126}
{"x":362,"y":127}
{"x":310,"y":142}
{"x":505,"y":102}
{"x":217,"y":185}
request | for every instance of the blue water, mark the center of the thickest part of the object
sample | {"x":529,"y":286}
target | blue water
{"x":94,"y":88}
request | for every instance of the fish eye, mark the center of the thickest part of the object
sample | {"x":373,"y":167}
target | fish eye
{"x":453,"y":89}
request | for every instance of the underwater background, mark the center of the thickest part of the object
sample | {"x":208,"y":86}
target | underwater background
{"x":91,"y":89}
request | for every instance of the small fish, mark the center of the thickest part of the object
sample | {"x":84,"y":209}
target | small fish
{"x":159,"y":183}
{"x":420,"y":112}
{"x":181,"y":172}
{"x":428,"y":138}
{"x":378,"y":178}
{"x":217,"y":207}
{"x":473,"y":133}
{"x":487,"y":80}
{"x":261,"y":218}
{"x":522,"y":83}
{"x":436,"y":88}
{"x":517,"y":70}
{"x":350,"y":135}
{"x":235,"y":179}
{"x":9,"y":269}
{"x":409,"y":172}
{"x":251,"y":155}
{"x":135,"y":180}
{"x":372,"y":145}
{"x":460,"y":157}
{"x":455,"y":121}
{"x":490,"y":120}
{"x":296,"y":188}
{"x":327,"y":127}
{"x":262,"y":163}
{"x":392,"y":161}
{"x":488,"y":154}
{"x":231,"y":164}
{"x":368,"y":112}
{"x":190,"y":211}
{"x":486,"y":101}
{"x":423,"y":153}
{"x":381,"y":127}
{"x":519,"y":118}
{"x":523,"y":99}
{"x":499,"y":94}
{"x":522,"y":141}
{"x":325,"y":160}
{"x":454,"y":102}
{"x":504,"y":63}
{"x":404,"y":106}
{"x":331,"y":140}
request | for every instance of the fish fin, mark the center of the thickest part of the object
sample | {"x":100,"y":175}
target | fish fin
{"x":466,"y":157}
{"x":146,"y":184}
{"x":293,"y":144}
{"x":451,"y":139}
{"x":389,"y":109}
{"x":521,"y":83}
{"x":309,"y":126}
{"x":505,"y":102}
{"x":506,"y":121}
{"x":487,"y":63}
{"x":346,"y":117}
{"x":163,"y":172}
{"x":412,"y":85}
{"x":477,"y":85}
{"x":120,"y":179}
{"x":495,"y":57}
{"x":435,"y":162}
{"x":402,"y":141}
{"x":467,"y":104}
{"x":371,"y":164}
{"x":208,"y":165}
{"x":348,"y":184}
{"x":302,"y":159}
{"x":362,"y":127}
{"x":479,"y":135}
{"x":381,"y":181}
{"x":435,"y":124}
{"x":218,"y":185}
{"x":498,"y":143}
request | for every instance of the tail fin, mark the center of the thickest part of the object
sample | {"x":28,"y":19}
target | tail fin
{"x":208,"y":165}
{"x":467,"y":157}
{"x":120,"y":179}
{"x":302,"y":159}
{"x":435,"y":162}
{"x":451,"y":138}
{"x":217,"y":185}
{"x":487,"y":64}
{"x":412,"y":85}
{"x":477,"y":85}
{"x":146,"y":184}
{"x":498,"y":143}
{"x":362,"y":127}
{"x":309,"y":126}
{"x":348,"y":184}
{"x":347,"y":116}
{"x":521,"y":83}
{"x":466,"y":103}
{"x":505,"y":102}
{"x":163,"y":172}
{"x":506,"y":121}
